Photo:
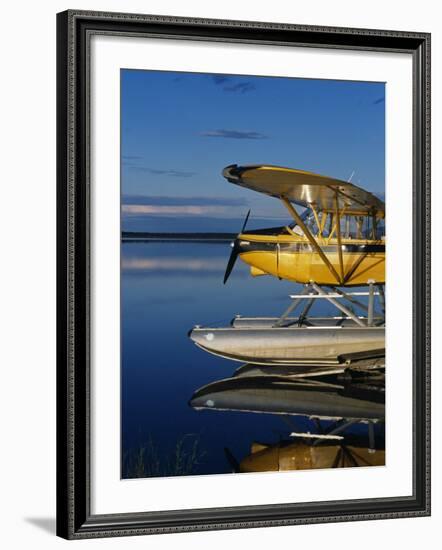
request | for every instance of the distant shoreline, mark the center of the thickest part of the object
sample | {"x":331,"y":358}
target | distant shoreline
{"x":143,"y":236}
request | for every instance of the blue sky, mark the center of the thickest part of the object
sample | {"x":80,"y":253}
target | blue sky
{"x":179,"y":130}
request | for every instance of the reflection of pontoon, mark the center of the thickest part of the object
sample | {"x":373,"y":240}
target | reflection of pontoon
{"x":285,"y":396}
{"x":356,"y":366}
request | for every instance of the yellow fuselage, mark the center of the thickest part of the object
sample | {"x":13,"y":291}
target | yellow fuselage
{"x":292,"y":257}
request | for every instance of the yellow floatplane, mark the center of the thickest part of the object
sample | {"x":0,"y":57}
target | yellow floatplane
{"x":338,"y":240}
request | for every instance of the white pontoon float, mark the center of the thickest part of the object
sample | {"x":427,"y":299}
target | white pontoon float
{"x":301,"y":339}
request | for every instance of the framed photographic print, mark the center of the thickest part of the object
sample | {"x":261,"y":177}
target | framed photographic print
{"x":239,"y":342}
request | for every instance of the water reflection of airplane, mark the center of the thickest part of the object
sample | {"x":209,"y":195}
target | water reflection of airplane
{"x":333,"y":403}
{"x":337,"y":242}
{"x":359,"y":368}
{"x":310,"y":451}
{"x":328,"y":397}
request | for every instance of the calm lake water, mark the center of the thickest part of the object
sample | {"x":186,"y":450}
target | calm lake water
{"x":167,"y":288}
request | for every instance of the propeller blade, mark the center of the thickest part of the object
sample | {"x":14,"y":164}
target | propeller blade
{"x":245,"y":222}
{"x":232,"y":260}
{"x":235,"y":251}
{"x":234,"y":464}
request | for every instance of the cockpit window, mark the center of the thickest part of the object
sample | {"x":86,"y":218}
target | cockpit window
{"x":352,"y":227}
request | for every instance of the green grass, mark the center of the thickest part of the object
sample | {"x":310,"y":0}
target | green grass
{"x":147,"y":460}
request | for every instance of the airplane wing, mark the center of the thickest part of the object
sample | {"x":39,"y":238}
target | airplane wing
{"x":305,"y":188}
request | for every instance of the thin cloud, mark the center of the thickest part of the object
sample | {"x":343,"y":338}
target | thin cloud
{"x":163,"y":172}
{"x":179,"y":207}
{"x":173,"y":264}
{"x":220,"y":79}
{"x":132,"y":157}
{"x":241,"y":87}
{"x":233,"y":134}
{"x":192,"y":210}
{"x":159,"y":200}
{"x":227,"y":83}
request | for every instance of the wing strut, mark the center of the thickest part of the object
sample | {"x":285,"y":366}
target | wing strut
{"x":338,"y":235}
{"x":310,"y":237}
